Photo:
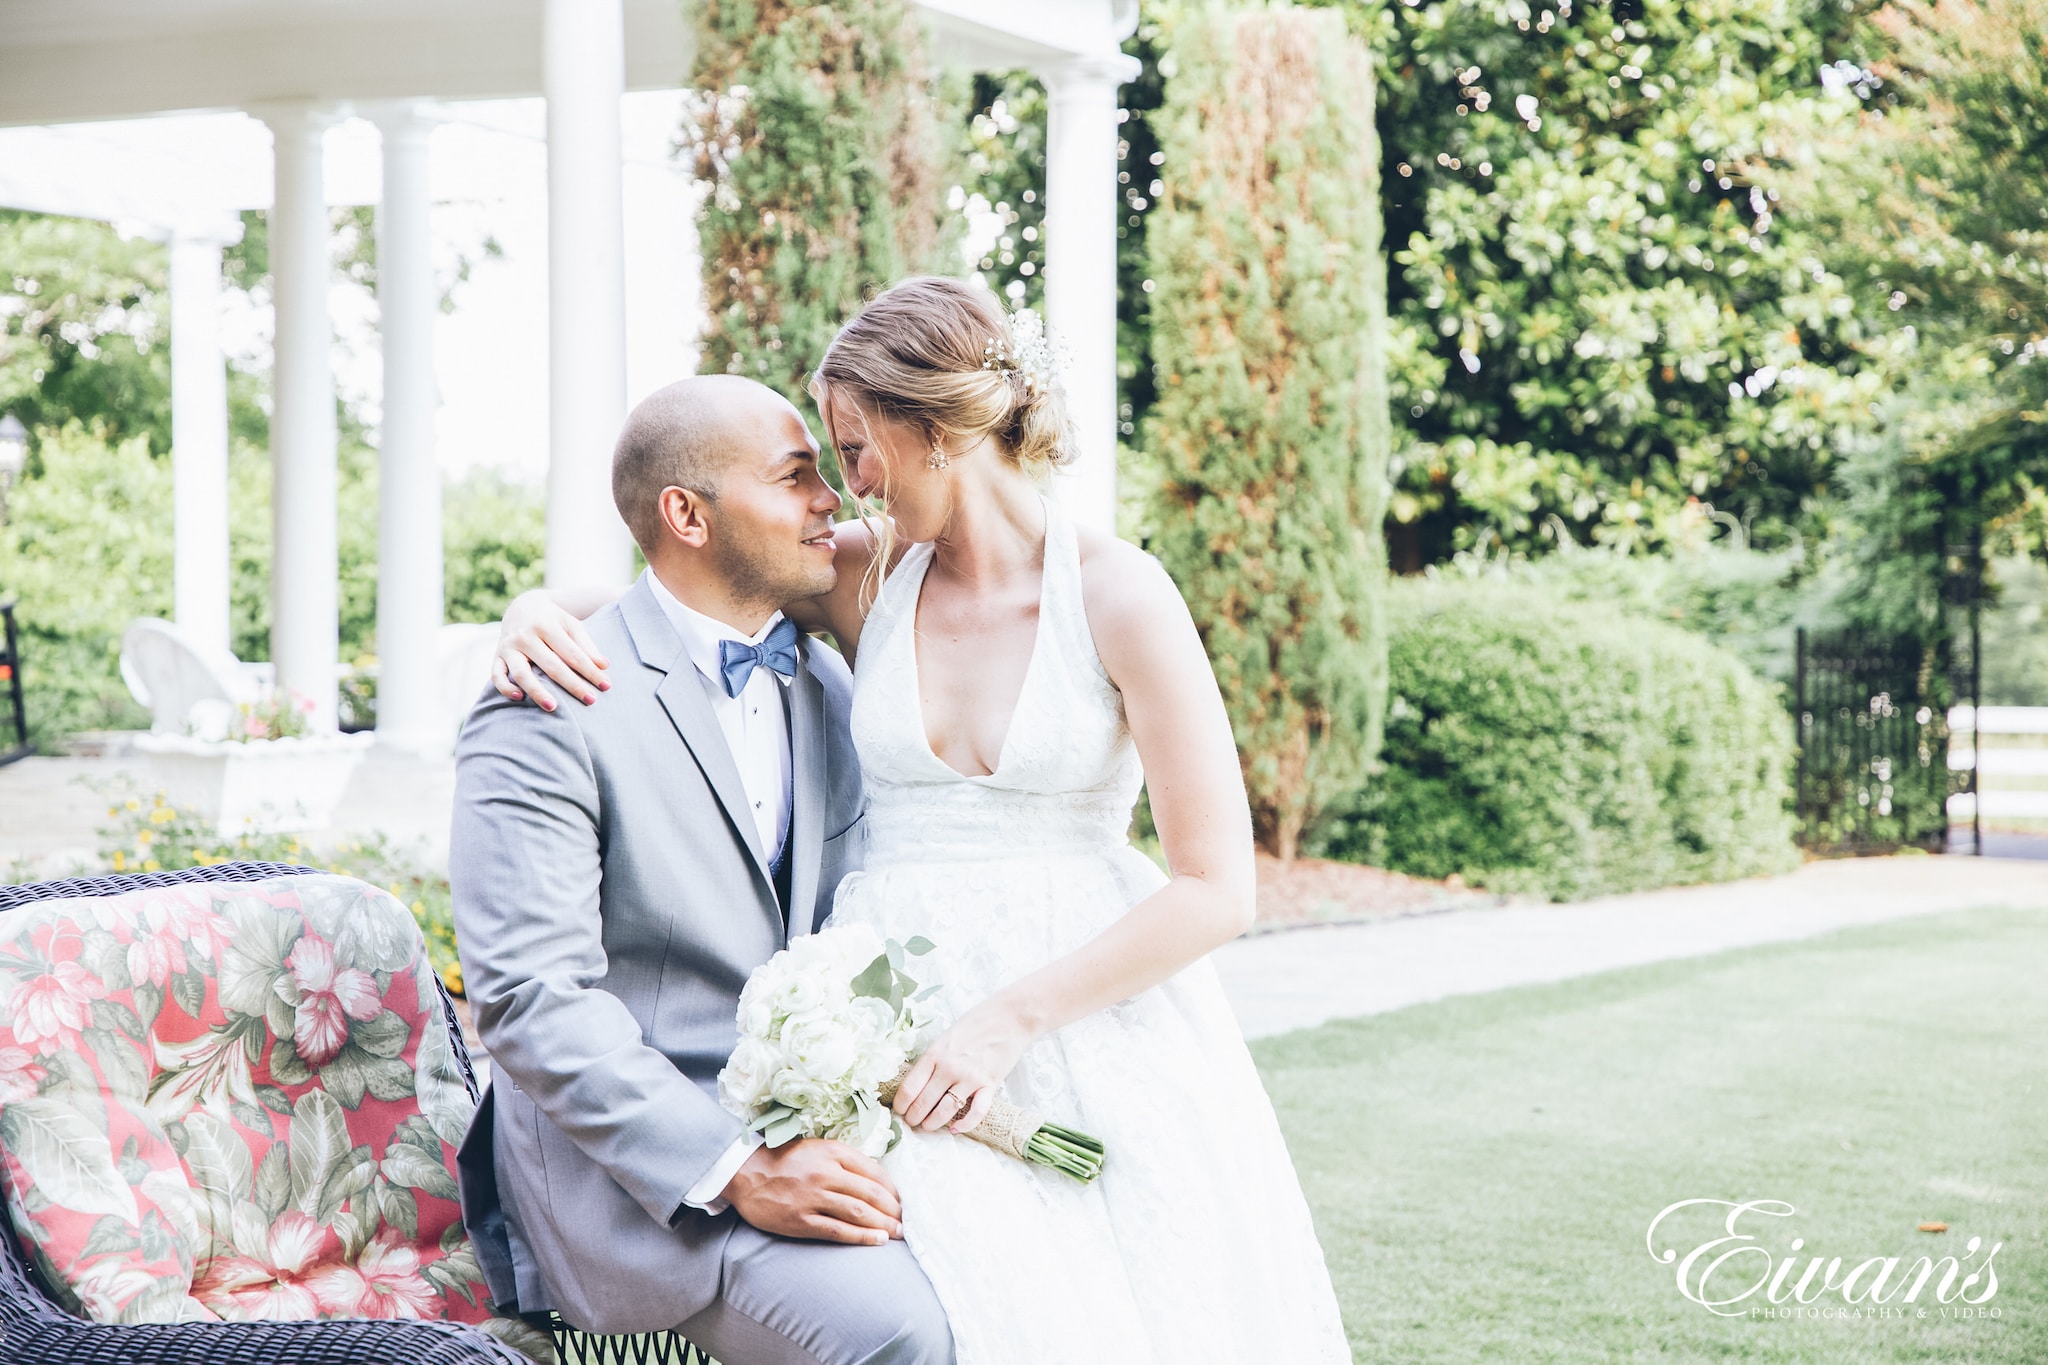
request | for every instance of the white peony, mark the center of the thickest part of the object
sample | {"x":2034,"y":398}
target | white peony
{"x":821,"y":1044}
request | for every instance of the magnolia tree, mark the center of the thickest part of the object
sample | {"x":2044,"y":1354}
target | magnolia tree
{"x":1270,"y":431}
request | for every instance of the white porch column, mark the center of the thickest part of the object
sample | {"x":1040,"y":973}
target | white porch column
{"x":583,"y":74}
{"x":409,"y":558}
{"x":305,"y":620}
{"x":199,"y":435}
{"x":1081,"y":208}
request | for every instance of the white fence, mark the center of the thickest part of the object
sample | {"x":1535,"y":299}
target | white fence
{"x":2010,"y":752}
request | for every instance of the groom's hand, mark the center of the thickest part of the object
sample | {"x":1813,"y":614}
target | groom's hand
{"x":817,"y":1189}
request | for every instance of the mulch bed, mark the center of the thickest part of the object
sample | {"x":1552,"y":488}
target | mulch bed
{"x":1313,"y":891}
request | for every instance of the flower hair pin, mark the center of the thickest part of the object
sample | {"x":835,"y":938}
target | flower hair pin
{"x":1028,"y":352}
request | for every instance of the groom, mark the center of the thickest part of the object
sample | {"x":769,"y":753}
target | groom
{"x":618,"y":872}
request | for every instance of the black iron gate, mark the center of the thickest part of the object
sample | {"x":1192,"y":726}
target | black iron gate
{"x":1873,"y":734}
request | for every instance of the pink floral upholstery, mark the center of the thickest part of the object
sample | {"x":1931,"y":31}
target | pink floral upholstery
{"x":234,"y":1101}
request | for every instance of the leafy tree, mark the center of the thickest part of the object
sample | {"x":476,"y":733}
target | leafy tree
{"x":820,"y":135}
{"x":1271,"y":425}
{"x":1935,"y":193}
{"x":1604,"y":310}
{"x":83,"y":327}
{"x":1003,"y":191}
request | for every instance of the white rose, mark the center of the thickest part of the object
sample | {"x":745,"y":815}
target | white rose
{"x":756,"y":1017}
{"x":877,"y":1064}
{"x":800,"y":994}
{"x":873,"y":1020}
{"x":798,"y":1091}
{"x":744,"y":1080}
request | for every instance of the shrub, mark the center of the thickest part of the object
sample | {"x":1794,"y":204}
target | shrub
{"x":1271,"y":432}
{"x":1540,"y":746}
{"x":494,"y":532}
{"x":86,"y":550}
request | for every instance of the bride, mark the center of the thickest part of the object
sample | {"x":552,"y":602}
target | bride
{"x":1016,"y":680}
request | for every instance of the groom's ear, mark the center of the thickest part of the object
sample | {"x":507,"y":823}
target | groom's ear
{"x":684,"y":513}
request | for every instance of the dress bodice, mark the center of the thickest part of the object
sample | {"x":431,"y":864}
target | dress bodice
{"x":1068,"y":773}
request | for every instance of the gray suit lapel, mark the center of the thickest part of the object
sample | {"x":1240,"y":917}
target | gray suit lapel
{"x":808,"y":780}
{"x":681,"y":694}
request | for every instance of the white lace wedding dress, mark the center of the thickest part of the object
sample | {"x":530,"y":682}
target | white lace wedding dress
{"x":1195,"y":1244}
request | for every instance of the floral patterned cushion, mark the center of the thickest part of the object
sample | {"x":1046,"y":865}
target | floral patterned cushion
{"x":234,"y":1101}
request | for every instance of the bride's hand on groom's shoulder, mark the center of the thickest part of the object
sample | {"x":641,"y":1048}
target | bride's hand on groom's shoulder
{"x":953,"y":1082}
{"x":538,"y":633}
{"x":817,"y":1189}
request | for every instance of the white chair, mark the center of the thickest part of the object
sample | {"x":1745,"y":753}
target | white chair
{"x":170,"y":673}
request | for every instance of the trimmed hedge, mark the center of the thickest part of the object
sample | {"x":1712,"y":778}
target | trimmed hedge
{"x":1541,"y":746}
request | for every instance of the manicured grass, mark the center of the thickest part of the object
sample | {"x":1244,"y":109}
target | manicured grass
{"x":1484,"y":1170}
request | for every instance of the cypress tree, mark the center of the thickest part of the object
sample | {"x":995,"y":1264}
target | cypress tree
{"x":819,"y":134}
{"x":1271,"y":430}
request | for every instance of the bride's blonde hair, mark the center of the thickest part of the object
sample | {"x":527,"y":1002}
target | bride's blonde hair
{"x":943,"y":357}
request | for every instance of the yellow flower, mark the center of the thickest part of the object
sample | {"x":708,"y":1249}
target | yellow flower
{"x":162,"y":815}
{"x":120,"y":860}
{"x":451,"y":977}
{"x":152,"y":865}
{"x":143,"y":837}
{"x":113,"y":810}
{"x":202,"y":857}
{"x":133,"y":804}
{"x":393,"y":889}
{"x":418,"y":907}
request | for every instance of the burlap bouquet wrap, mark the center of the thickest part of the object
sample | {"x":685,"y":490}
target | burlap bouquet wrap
{"x":1006,"y":1127}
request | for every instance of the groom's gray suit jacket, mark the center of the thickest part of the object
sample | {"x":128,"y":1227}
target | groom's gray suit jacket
{"x":610,"y":900}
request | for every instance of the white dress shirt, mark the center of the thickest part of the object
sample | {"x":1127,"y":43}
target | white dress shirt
{"x":756,"y":728}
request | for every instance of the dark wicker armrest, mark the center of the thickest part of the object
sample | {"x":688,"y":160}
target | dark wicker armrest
{"x":38,"y":1334}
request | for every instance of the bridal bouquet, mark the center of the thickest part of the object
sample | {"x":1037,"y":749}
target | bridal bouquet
{"x":830,"y":1025}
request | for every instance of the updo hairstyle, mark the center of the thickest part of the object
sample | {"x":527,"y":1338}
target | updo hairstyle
{"x":940,"y":355}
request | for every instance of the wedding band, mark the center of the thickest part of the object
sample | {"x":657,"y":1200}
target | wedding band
{"x":957,"y":1101}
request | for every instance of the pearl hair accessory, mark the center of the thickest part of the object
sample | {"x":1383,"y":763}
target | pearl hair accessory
{"x":1027,"y":352}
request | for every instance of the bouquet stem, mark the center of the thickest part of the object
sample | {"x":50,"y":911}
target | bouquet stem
{"x":1020,"y":1133}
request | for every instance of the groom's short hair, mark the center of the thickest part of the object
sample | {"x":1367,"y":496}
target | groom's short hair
{"x":679,"y":436}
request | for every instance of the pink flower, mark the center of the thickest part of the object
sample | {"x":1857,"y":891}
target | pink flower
{"x":19,"y":1075}
{"x":194,"y":922}
{"x":158,"y":952}
{"x":50,"y":1009}
{"x":244,"y":1288}
{"x":385,"y":1282}
{"x":328,"y":999}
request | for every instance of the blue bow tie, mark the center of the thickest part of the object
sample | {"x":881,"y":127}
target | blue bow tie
{"x":737,"y":659}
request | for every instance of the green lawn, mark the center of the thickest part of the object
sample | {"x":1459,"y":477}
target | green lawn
{"x":1484,"y":1170}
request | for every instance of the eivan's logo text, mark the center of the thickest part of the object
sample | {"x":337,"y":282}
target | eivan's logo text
{"x":1726,"y":1274}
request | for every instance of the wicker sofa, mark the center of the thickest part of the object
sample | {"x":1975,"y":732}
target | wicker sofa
{"x":35,"y":1329}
